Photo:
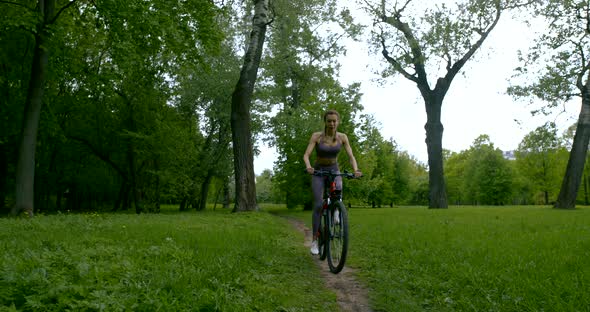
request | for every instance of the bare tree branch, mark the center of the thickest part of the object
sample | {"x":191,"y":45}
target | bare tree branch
{"x":102,"y":156}
{"x":417,"y":55}
{"x":585,"y":65}
{"x":449,"y":60}
{"x":323,"y":52}
{"x":459,"y":64}
{"x":372,"y":9}
{"x":16,"y":3}
{"x":400,"y":11}
{"x":518,"y":4}
{"x":60,"y":11}
{"x":396,"y":64}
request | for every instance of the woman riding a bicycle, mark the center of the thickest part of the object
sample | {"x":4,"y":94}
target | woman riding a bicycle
{"x":327,"y":144}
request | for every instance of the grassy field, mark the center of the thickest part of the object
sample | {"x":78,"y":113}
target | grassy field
{"x":411,"y":259}
{"x":473,"y":258}
{"x":208,"y":261}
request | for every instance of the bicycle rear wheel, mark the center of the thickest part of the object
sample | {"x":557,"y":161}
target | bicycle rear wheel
{"x":323,"y":235}
{"x":338,"y":239}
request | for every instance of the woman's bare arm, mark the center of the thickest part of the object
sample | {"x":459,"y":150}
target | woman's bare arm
{"x":312,"y":142}
{"x":351,"y":158}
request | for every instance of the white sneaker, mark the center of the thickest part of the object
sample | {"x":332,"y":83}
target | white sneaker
{"x":337,"y":217}
{"x":314,"y":248}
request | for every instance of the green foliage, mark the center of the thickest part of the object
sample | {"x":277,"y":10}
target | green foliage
{"x":299,"y":82}
{"x":555,"y":68}
{"x":430,"y":39}
{"x":454,"y":168}
{"x":387,"y":170}
{"x":541,"y":159}
{"x":480,"y":175}
{"x":171,"y":262}
{"x":266,"y":190}
{"x":492,"y":178}
{"x":115,"y":68}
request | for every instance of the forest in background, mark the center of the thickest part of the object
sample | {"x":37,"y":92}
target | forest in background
{"x":135,"y":105}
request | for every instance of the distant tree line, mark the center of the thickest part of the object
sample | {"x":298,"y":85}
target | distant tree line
{"x":480,"y":175}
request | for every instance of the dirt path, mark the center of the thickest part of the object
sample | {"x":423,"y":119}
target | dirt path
{"x":351,"y":295}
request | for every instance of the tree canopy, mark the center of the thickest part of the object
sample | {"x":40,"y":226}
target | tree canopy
{"x":130,"y":105}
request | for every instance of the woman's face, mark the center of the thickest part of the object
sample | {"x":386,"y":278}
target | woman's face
{"x":332,"y":121}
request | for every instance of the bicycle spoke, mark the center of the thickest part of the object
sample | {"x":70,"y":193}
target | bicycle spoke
{"x":338,"y":242}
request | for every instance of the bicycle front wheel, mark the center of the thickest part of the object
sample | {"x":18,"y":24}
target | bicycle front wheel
{"x":338,"y":239}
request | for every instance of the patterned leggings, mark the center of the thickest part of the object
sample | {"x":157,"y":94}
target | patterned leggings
{"x":317,"y":187}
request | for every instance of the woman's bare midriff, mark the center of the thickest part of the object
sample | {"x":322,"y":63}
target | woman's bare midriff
{"x":326,"y":161}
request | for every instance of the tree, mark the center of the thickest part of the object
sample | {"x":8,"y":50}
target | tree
{"x":294,"y":126}
{"x":537,"y":158}
{"x":25,"y":171}
{"x":299,"y":82}
{"x":556,"y":70}
{"x":240,"y":111}
{"x":488,"y":177}
{"x":266,"y":192}
{"x":567,"y":138}
{"x":455,"y":169}
{"x":480,"y":175}
{"x":105,"y":119}
{"x":16,"y":42}
{"x":390,"y":176}
{"x":443,"y":35}
{"x":377,"y":156}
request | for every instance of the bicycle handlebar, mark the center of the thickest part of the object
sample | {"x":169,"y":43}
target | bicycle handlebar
{"x":328,"y":173}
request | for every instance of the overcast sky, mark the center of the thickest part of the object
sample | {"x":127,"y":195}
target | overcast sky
{"x":475,"y":104}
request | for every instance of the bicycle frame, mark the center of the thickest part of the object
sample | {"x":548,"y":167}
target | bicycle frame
{"x":330,"y":191}
{"x":331,"y":194}
{"x":331,"y":232}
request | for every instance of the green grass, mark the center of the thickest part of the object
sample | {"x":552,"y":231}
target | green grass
{"x":411,"y":259}
{"x":209,"y":261}
{"x":472,"y":258}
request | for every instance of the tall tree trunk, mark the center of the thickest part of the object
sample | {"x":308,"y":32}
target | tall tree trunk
{"x":226,"y":193}
{"x":183,"y":204}
{"x":240,"y":112}
{"x":205,"y":190}
{"x":434,"y":133}
{"x":157,"y":190}
{"x":119,"y":200}
{"x":52,"y":185}
{"x":133,"y":177}
{"x":217,"y":198}
{"x":25,"y":169}
{"x":575,"y":165}
{"x":58,"y":197}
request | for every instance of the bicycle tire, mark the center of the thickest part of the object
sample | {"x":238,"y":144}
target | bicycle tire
{"x":323,"y":235}
{"x":338,"y":239}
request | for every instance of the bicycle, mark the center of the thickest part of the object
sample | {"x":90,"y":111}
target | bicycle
{"x":333,"y":230}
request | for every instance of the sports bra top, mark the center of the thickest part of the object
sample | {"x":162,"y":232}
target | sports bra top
{"x":324,"y":150}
